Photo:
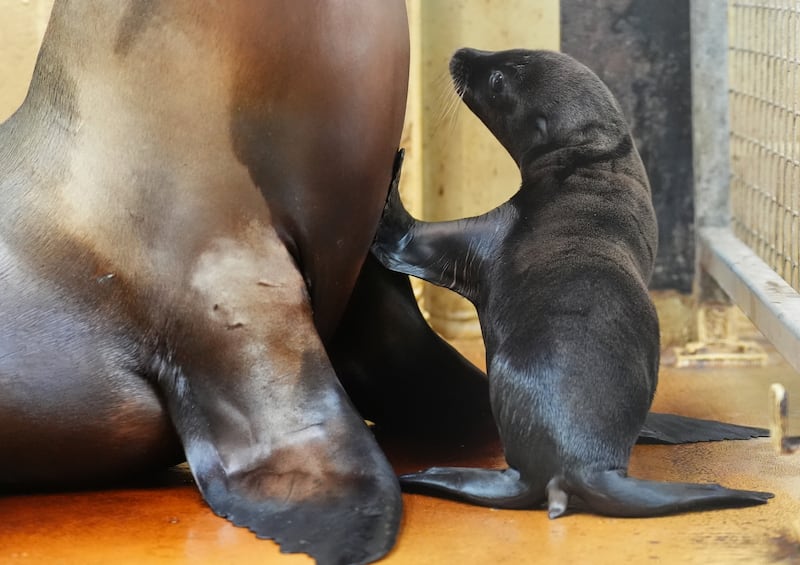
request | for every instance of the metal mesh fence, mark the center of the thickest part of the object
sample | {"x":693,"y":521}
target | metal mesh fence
{"x":764,"y":74}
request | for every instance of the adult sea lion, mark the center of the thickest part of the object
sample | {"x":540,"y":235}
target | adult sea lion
{"x":559,"y":276}
{"x":187,"y":196}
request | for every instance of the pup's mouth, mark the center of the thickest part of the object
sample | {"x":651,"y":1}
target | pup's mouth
{"x":462,"y":64}
{"x":459,"y":71}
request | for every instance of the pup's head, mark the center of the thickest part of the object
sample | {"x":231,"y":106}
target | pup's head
{"x":536,"y":100}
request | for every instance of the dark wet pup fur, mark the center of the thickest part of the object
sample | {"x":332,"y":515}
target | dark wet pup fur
{"x":559,"y":277}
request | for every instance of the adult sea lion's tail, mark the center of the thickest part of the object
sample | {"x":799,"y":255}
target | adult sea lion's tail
{"x":674,"y":429}
{"x":612,"y":493}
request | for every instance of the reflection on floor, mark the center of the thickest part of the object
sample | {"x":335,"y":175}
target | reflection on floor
{"x":167,"y":522}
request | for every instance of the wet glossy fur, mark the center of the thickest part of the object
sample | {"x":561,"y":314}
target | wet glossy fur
{"x":559,"y":277}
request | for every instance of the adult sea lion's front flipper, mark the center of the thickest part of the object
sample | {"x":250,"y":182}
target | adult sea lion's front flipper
{"x":269,"y":433}
{"x":674,"y":429}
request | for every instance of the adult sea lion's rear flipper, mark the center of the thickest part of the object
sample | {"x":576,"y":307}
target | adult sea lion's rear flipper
{"x":269,"y":434}
{"x":485,"y":487}
{"x":395,"y":368}
{"x":613,"y":494}
{"x":674,"y":429}
{"x":398,"y":371}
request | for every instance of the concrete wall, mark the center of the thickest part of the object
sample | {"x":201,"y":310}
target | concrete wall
{"x":641,"y":49}
{"x":22,"y":25}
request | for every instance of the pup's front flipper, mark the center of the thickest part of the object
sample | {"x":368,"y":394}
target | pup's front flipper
{"x":674,"y":429}
{"x":269,"y":433}
{"x":485,"y":487}
{"x":448,"y":254}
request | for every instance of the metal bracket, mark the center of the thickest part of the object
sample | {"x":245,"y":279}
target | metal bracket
{"x":718,"y":342}
{"x":778,"y":417}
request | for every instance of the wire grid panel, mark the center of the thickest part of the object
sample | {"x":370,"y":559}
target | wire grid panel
{"x":764,"y":78}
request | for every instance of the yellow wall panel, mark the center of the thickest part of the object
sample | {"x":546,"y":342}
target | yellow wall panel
{"x":458,"y":167}
{"x":22,"y":25}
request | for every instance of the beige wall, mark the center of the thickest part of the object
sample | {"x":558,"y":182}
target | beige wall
{"x":455,"y":167}
{"x":22,"y":24}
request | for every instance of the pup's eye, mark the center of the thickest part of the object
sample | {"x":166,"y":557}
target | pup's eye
{"x":497,"y":81}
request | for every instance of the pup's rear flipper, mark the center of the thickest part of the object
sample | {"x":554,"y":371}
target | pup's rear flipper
{"x":673,"y":429}
{"x":485,"y":487}
{"x":613,"y":494}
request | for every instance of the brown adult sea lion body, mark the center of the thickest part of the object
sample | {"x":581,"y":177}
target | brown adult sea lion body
{"x":187,"y":196}
{"x":559,"y":277}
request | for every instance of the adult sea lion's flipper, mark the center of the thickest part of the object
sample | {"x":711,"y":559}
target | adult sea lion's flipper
{"x":398,"y":371}
{"x":674,"y":429}
{"x":268,"y":431}
{"x":322,"y":489}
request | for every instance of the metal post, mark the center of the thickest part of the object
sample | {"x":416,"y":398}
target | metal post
{"x":710,"y":128}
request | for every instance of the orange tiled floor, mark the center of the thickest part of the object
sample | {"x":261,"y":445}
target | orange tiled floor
{"x":167,"y":522}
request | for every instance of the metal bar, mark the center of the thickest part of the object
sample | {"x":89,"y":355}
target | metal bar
{"x":779,"y":421}
{"x":708,"y":20}
{"x":767,"y":299}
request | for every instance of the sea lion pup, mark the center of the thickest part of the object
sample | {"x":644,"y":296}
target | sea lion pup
{"x":559,"y":278}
